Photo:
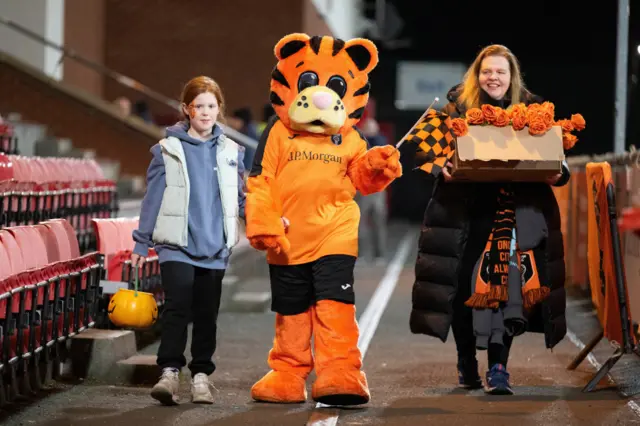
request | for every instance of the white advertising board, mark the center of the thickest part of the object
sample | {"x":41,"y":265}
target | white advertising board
{"x":418,"y":83}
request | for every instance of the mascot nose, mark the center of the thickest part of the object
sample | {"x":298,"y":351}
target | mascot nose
{"x":321,"y":100}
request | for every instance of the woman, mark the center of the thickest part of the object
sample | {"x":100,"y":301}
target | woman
{"x":457,"y":224}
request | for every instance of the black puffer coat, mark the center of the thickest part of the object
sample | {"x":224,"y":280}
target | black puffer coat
{"x":450,"y":217}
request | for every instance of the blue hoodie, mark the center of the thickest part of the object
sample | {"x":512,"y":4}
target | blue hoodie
{"x":206,"y":245}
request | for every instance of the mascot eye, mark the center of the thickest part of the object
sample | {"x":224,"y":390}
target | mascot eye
{"x":338,"y":85}
{"x":307,"y":79}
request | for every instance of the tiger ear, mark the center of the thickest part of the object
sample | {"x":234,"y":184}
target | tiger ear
{"x":363,"y":53}
{"x":290,"y":44}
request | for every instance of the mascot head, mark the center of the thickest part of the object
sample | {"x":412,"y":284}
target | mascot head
{"x":321,"y":84}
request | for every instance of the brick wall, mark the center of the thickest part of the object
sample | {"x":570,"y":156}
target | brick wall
{"x":84,"y":34}
{"x":70,"y":114}
{"x":164,"y":43}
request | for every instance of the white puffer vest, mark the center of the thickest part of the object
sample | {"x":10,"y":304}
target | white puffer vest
{"x":172,"y":224}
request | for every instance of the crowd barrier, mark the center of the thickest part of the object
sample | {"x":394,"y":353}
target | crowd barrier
{"x":33,"y":189}
{"x":602,"y":190}
{"x":48,"y":293}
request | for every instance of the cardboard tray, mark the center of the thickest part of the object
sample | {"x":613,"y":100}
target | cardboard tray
{"x":490,"y":154}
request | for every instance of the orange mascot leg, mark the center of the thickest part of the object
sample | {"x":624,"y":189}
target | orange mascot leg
{"x":290,"y":360}
{"x":338,"y":361}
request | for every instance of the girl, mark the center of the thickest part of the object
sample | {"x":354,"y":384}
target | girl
{"x":195,"y":194}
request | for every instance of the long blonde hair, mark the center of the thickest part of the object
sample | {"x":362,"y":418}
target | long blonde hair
{"x":470,"y":94}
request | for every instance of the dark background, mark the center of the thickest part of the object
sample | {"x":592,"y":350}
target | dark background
{"x":566,"y":50}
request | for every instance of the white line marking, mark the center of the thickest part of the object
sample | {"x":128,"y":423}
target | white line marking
{"x":369,"y":320}
{"x":595,"y":364}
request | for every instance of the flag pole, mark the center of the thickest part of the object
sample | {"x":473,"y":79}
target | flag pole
{"x":436,"y":99}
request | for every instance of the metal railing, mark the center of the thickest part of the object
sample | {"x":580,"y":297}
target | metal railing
{"x":118,"y":77}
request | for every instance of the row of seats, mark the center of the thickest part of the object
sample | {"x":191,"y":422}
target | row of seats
{"x":8,"y":139}
{"x":115,"y":243}
{"x":33,"y":189}
{"x":48,"y":293}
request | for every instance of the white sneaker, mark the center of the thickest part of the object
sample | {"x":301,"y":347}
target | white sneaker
{"x":166,"y":390}
{"x":201,"y":389}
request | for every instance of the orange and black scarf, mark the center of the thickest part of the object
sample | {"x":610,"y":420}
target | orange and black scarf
{"x":492,"y":282}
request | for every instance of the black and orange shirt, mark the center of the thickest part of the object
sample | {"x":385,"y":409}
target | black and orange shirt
{"x":311,"y":179}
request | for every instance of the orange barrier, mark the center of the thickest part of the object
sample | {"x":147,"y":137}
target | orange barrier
{"x":602,"y":259}
{"x":606,"y":269}
{"x":573,"y":211}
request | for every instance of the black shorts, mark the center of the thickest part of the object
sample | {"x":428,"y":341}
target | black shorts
{"x":294,"y":288}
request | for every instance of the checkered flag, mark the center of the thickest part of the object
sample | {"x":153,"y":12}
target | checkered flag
{"x":433,"y":135}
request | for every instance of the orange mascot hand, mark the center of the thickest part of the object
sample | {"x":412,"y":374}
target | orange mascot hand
{"x":385,"y":159}
{"x":376,"y":169}
{"x":276,"y":243}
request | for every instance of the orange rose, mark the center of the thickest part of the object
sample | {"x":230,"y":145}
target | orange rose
{"x":578,"y":121}
{"x":475,"y":116}
{"x":568,"y":140}
{"x":490,"y":113}
{"x":537,"y":126}
{"x":459,"y":126}
{"x":549,"y":112}
{"x":567,"y":125}
{"x":533,"y":111}
{"x":549,"y":108}
{"x":519,"y":122}
{"x":539,"y":112}
{"x":502,"y":118}
{"x":518,"y":115}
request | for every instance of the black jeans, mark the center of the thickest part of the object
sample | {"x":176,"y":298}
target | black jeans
{"x":482,"y":214}
{"x":191,"y":294}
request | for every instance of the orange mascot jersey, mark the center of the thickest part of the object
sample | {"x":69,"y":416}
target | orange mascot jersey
{"x":309,"y":164}
{"x":311,"y":176}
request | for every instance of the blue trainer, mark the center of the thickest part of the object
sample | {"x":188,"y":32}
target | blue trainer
{"x":498,"y":381}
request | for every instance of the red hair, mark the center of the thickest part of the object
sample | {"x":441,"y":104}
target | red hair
{"x":202,"y":84}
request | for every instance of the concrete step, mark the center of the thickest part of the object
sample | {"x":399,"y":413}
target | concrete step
{"x":244,"y":266}
{"x":94,"y":353}
{"x":252,"y":293}
{"x":250,"y":301}
{"x":140,"y":369}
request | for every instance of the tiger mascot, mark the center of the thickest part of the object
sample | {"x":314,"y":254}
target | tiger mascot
{"x":309,"y":163}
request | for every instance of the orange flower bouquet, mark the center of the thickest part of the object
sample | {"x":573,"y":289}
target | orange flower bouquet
{"x":539,"y":118}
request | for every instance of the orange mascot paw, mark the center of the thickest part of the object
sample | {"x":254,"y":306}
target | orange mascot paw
{"x":280,"y":387}
{"x":290,"y":360}
{"x":385,"y":159}
{"x":341,"y":387}
{"x":276,"y":243}
{"x":340,"y":380}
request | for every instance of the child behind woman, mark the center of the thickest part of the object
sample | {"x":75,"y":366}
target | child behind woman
{"x":195,"y":194}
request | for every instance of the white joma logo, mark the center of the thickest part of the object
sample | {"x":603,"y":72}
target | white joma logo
{"x":345,"y":286}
